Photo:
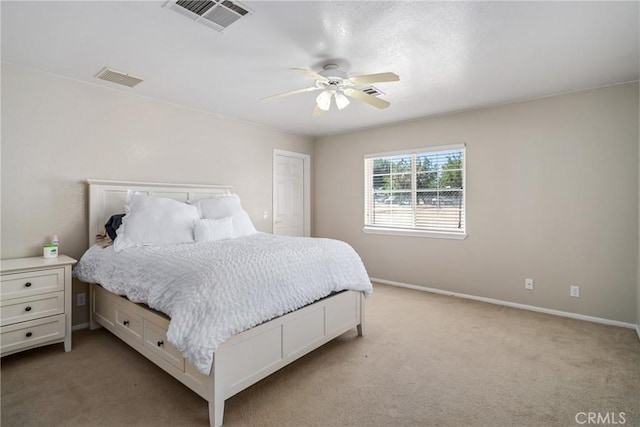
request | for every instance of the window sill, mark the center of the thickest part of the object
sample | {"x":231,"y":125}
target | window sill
{"x":414,"y":233}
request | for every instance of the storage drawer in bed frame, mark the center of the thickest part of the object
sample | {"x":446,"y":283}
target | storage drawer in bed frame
{"x":145,"y":330}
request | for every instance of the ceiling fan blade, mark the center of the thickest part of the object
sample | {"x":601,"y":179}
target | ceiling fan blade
{"x":365,"y":97}
{"x":318,"y":111}
{"x":309,"y":73}
{"x":375,"y":78}
{"x":292,"y":92}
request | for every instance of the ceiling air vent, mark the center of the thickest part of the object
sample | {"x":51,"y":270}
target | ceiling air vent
{"x":216,"y":14}
{"x":372,"y":90}
{"x":118,"y":77}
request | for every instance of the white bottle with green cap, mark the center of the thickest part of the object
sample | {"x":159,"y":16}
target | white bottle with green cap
{"x":52,"y":249}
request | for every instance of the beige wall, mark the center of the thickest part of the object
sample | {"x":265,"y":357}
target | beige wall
{"x":56,"y":133}
{"x":552,"y":194}
{"x":553,"y":188}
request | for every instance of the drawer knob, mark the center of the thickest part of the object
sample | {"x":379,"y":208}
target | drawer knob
{"x":29,"y":334}
{"x":160,"y":343}
{"x":28,"y":284}
{"x":27,"y":309}
{"x":125,"y":323}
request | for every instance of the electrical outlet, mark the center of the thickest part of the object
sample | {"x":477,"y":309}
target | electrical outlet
{"x":574,"y":291}
{"x":528,"y":284}
{"x":81,"y":299}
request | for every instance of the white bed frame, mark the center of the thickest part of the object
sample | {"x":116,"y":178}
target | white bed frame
{"x":240,"y":361}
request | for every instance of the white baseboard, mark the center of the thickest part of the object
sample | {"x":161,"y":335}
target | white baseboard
{"x":80,"y":326}
{"x":638,"y":330}
{"x":512,"y":304}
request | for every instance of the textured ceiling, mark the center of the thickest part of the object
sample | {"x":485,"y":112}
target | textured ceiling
{"x":450,"y":56}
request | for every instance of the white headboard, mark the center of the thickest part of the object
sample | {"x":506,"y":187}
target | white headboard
{"x":107,"y":198}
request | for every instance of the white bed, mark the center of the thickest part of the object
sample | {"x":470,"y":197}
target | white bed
{"x":239,"y":361}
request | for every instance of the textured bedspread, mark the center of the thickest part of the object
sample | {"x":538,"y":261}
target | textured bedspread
{"x":214,"y":290}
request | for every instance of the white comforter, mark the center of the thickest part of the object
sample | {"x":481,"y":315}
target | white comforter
{"x":215,"y":290}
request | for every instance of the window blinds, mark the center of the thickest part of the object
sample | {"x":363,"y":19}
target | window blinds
{"x":419,"y":190}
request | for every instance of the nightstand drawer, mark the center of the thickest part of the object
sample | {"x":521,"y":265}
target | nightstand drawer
{"x":155,"y":338}
{"x":22,"y":309}
{"x":31,"y":283}
{"x":32,"y":333}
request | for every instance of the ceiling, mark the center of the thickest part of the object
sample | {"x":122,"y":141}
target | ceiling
{"x":450,"y":56}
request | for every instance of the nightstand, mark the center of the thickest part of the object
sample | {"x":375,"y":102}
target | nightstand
{"x":35,"y":301}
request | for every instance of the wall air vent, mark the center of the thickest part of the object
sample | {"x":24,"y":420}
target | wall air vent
{"x":118,"y":77}
{"x":216,"y":14}
{"x":372,"y":90}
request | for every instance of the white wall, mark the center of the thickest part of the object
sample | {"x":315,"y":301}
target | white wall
{"x":56,"y":133}
{"x":552,"y":194}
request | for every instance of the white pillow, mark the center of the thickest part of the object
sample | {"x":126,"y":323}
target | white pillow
{"x":222,"y":206}
{"x":211,"y":230}
{"x":153,"y":220}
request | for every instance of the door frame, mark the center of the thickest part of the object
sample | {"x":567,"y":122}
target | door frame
{"x":306,"y":188}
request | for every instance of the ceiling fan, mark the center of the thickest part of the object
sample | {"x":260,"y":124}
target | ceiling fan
{"x":336,"y":84}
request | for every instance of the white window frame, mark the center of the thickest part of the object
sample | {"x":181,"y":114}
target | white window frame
{"x":409,"y":231}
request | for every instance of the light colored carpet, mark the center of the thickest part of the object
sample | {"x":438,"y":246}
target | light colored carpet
{"x":425,"y":360}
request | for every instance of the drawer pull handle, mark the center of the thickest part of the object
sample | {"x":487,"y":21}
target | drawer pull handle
{"x":29,"y":334}
{"x":28,"y":284}
{"x":27,"y":309}
{"x":160,"y":343}
{"x":125,"y":323}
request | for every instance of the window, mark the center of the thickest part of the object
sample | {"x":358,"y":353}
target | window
{"x":418,"y":192}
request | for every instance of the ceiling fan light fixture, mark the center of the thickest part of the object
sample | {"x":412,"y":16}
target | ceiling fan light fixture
{"x":324,"y":100}
{"x":335,"y":83}
{"x":341,"y":101}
